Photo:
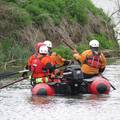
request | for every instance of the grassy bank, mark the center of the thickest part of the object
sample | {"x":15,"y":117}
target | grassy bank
{"x":17,"y":16}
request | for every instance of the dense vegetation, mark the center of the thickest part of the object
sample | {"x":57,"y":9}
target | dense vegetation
{"x":74,"y":10}
{"x":17,"y":15}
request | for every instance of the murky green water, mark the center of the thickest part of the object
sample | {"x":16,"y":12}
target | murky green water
{"x":17,"y":103}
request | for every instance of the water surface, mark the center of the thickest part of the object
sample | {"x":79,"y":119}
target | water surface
{"x":17,"y":103}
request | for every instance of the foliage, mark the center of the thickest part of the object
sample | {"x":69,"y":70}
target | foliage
{"x":73,"y":10}
{"x":80,"y":48}
{"x":105,"y":43}
{"x":15,"y":15}
{"x":63,"y":51}
{"x":96,"y":11}
{"x":13,"y":50}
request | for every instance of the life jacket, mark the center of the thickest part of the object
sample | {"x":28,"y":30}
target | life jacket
{"x":37,"y":68}
{"x":34,"y":56}
{"x":93,"y":61}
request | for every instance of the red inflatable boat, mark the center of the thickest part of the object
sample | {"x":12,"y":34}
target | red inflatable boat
{"x":73,"y":83}
{"x":95,"y":85}
{"x":98,"y":85}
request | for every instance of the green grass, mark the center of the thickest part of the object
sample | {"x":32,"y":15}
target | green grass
{"x":18,"y":14}
{"x":64,"y":52}
{"x":72,"y":10}
{"x":105,"y":43}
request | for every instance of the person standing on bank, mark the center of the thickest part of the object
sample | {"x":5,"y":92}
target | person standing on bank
{"x":93,"y":61}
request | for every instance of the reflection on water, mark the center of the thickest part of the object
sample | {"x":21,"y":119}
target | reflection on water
{"x":17,"y":103}
{"x":38,"y":100}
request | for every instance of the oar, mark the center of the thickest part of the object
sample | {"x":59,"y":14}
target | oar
{"x":21,"y":79}
{"x":7,"y":74}
{"x":109,"y":82}
{"x":64,"y":40}
{"x":11,"y":83}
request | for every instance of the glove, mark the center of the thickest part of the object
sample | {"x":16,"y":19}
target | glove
{"x":24,"y":74}
{"x":49,"y":67}
{"x":52,"y":69}
{"x":68,"y":62}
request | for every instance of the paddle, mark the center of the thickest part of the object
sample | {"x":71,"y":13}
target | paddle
{"x":112,"y":86}
{"x":109,"y":82}
{"x":64,"y":40}
{"x":11,"y":83}
{"x":7,"y":74}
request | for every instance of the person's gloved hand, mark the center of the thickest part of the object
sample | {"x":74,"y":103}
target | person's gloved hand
{"x":24,"y":74}
{"x":68,"y":62}
{"x":50,"y":67}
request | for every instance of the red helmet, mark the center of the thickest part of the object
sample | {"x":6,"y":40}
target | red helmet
{"x":38,"y":45}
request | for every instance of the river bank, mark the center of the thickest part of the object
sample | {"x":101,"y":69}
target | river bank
{"x":23,"y":24}
{"x":111,"y":53}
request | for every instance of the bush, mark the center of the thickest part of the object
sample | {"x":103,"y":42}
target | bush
{"x":12,"y":18}
{"x":64,"y":52}
{"x":13,"y":50}
{"x":105,"y":43}
{"x":72,"y":10}
{"x":80,"y":48}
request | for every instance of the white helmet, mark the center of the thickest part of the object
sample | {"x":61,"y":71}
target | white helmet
{"x":48,"y":43}
{"x":43,"y":50}
{"x":94,"y":43}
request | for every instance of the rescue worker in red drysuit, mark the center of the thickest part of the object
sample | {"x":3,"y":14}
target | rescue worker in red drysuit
{"x":93,"y":62}
{"x":42,"y":67}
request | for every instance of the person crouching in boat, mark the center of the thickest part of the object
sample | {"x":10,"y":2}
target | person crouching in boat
{"x":93,"y":62}
{"x":57,"y":59}
{"x":41,"y":67}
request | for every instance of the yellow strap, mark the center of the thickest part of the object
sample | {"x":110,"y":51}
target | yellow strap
{"x":46,"y":79}
{"x":39,"y":80}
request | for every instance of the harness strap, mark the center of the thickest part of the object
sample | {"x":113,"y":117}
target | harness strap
{"x":93,"y":61}
{"x":42,"y":80}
